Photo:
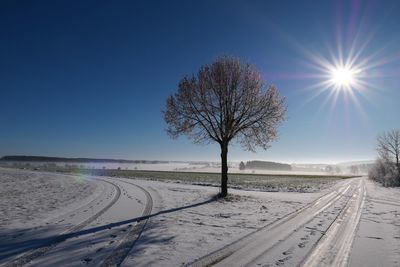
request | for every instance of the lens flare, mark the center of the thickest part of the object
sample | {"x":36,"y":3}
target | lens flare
{"x":344,"y":68}
{"x":343,"y":77}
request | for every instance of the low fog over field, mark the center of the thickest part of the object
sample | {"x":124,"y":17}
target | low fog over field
{"x":251,"y":166}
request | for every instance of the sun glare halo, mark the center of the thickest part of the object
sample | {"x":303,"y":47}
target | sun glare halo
{"x":343,"y":77}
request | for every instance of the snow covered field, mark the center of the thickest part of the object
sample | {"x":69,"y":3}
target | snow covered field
{"x":27,"y":198}
{"x":183,"y":232}
{"x":50,"y":219}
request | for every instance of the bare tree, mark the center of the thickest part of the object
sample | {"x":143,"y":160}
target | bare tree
{"x":242,"y":166}
{"x":389,"y":148}
{"x":226,"y":100}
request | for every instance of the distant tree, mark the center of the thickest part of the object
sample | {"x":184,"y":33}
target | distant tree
{"x":242,"y":166}
{"x":329,"y":169}
{"x":268,"y":165}
{"x":226,"y":100}
{"x":354,"y":169}
{"x":387,"y":168}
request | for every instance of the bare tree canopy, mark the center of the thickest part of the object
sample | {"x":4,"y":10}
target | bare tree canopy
{"x":226,"y":100}
{"x":387,"y":168}
{"x":389,"y":145}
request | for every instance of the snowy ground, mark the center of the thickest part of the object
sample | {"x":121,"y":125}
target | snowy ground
{"x":377,"y":242}
{"x":49,"y":219}
{"x":86,"y":222}
{"x":187,"y":221}
{"x":27,"y":198}
{"x":184,"y":232}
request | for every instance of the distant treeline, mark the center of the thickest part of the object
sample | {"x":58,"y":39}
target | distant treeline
{"x":360,"y":168}
{"x":268,"y":165}
{"x":75,"y":160}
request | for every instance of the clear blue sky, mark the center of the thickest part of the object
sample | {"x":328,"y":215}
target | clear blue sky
{"x":90,"y":78}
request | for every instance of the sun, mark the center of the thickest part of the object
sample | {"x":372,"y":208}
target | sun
{"x":343,"y":77}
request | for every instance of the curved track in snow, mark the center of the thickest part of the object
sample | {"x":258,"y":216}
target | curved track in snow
{"x":31,"y":255}
{"x":103,"y":238}
{"x":126,"y":244}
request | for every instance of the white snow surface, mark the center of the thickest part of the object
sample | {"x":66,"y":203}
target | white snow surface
{"x":29,"y":198}
{"x":377,"y":242}
{"x":186,"y":222}
{"x":183,"y":233}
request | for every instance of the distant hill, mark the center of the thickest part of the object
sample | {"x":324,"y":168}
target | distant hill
{"x":74,"y":160}
{"x":268,"y":165}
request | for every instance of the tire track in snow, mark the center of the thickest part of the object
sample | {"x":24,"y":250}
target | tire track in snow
{"x":250,"y":247}
{"x":36,"y":253}
{"x":298,"y":245}
{"x":126,"y":244}
{"x":335,"y":246}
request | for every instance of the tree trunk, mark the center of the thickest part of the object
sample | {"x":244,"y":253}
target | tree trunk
{"x":224,"y":169}
{"x":398,"y":167}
